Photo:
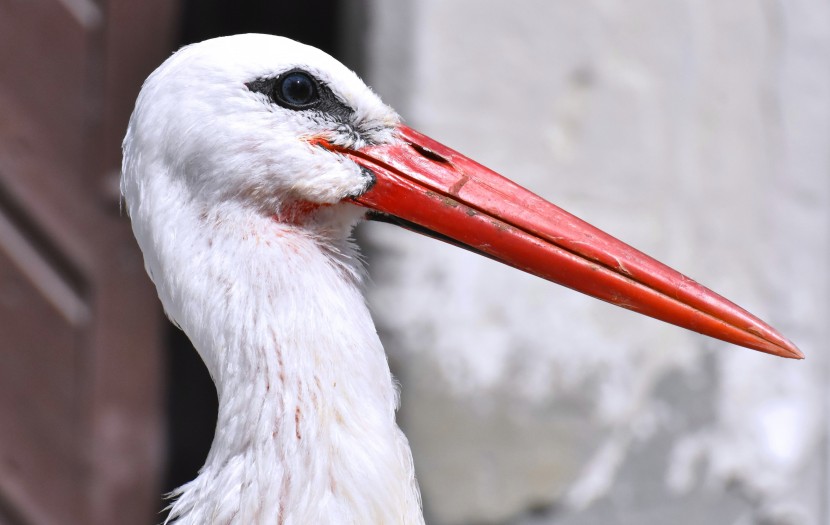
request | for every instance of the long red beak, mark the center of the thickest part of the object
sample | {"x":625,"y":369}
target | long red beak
{"x":429,"y":188}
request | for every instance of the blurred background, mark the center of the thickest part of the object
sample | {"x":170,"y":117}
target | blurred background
{"x":695,"y":130}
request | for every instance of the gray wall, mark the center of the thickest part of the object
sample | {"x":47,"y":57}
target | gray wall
{"x":697,"y":131}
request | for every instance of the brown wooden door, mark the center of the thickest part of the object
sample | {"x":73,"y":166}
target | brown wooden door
{"x":80,"y":344}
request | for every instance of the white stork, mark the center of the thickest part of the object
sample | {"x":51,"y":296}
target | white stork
{"x":247,"y":162}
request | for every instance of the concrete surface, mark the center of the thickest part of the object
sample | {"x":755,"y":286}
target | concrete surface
{"x":697,"y":131}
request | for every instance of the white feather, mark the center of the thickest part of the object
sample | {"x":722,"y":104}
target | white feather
{"x":306,"y":429}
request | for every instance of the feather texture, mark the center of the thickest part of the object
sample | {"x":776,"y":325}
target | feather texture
{"x":306,"y":429}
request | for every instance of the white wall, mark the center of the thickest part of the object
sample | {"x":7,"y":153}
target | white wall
{"x":697,"y":131}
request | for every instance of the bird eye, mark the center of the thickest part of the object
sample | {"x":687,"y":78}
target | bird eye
{"x":296,"y":90}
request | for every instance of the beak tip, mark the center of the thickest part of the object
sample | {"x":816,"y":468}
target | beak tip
{"x":794,"y":352}
{"x":785,"y":348}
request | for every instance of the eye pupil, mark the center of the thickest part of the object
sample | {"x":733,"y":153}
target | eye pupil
{"x":297,"y":89}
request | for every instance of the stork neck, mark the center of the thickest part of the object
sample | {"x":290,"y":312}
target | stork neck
{"x":306,"y":426}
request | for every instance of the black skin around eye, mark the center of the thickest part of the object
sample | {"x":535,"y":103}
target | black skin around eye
{"x":300,"y":91}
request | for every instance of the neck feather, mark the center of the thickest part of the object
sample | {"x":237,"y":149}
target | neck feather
{"x":306,"y":428}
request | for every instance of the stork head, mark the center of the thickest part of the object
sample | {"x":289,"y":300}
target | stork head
{"x":278,"y":128}
{"x":236,"y":119}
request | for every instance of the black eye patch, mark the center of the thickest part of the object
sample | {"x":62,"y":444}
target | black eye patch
{"x":300,"y":91}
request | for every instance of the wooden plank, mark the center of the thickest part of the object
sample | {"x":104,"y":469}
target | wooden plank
{"x":82,"y":394}
{"x":46,"y":73}
{"x":42,"y":347}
